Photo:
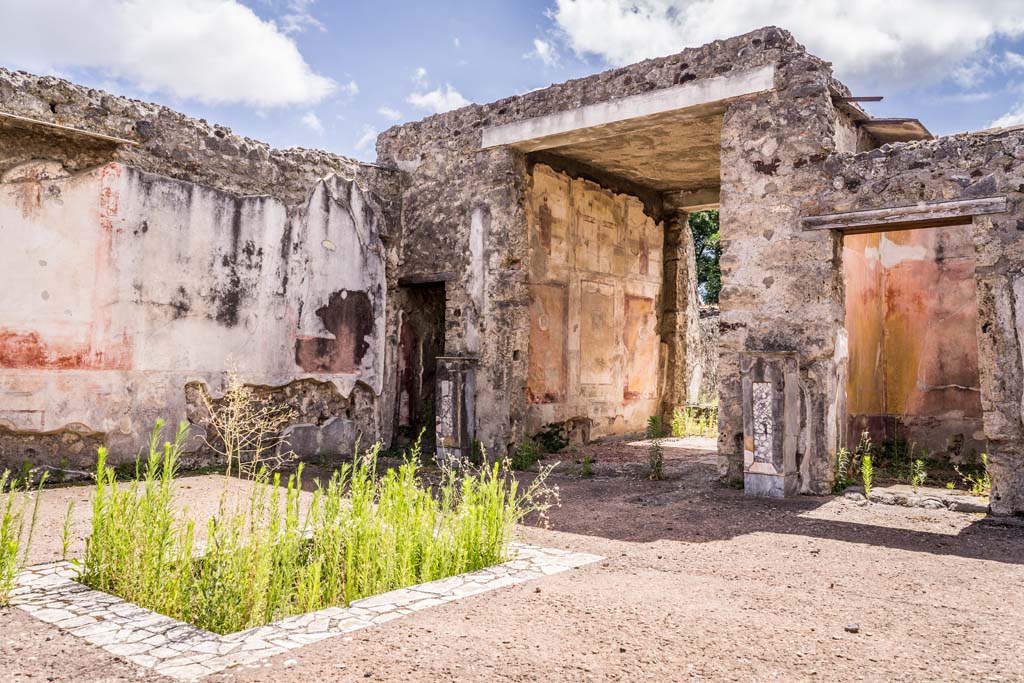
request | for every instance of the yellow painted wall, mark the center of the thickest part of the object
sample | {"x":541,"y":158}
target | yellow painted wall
{"x":595,"y":277}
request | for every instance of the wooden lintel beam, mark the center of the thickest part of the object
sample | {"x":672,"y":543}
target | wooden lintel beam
{"x":922,"y":215}
{"x":415,"y":279}
{"x":24,"y":121}
{"x":861,"y":98}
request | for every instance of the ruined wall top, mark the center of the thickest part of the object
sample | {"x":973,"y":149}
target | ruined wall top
{"x":960,"y":166}
{"x":169,"y":143}
{"x":461,"y":129}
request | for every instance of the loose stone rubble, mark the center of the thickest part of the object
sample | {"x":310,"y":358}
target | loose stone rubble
{"x":50,"y":593}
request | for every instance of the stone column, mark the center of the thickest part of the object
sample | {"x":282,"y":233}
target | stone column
{"x":782,"y":287}
{"x":680,"y":317}
{"x":455,"y":396}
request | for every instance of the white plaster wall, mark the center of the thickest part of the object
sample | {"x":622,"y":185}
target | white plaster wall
{"x":118,"y":287}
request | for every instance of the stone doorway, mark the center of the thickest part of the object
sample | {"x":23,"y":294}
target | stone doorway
{"x":420,"y":342}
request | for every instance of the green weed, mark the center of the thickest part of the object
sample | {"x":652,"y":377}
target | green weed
{"x":525,"y":455}
{"x":65,"y":534}
{"x":918,"y":474}
{"x":655,"y":453}
{"x":586,"y":466}
{"x":979,"y":483}
{"x":264,"y":559}
{"x":695,"y":421}
{"x":866,"y":474}
{"x":553,"y":437}
{"x":17,"y":525}
{"x":842,"y":479}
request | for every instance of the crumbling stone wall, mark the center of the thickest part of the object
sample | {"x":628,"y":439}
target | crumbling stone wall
{"x":684,"y":353}
{"x":454,"y":192}
{"x":782,"y":292}
{"x":132,"y":271}
{"x":707,"y":390}
{"x":949,"y":168}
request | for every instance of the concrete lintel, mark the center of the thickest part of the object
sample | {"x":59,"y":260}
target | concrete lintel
{"x":696,"y":200}
{"x":553,"y":130}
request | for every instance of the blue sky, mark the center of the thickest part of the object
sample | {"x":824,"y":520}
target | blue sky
{"x":330,"y":75}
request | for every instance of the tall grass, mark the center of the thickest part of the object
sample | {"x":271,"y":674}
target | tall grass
{"x":695,"y":421}
{"x":17,"y":525}
{"x":265,"y":558}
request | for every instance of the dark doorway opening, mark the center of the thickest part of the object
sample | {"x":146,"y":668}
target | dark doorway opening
{"x":421,"y":341}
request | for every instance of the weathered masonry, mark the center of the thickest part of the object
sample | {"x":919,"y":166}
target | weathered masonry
{"x":526,"y":262}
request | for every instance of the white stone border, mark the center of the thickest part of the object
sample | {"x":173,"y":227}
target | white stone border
{"x":173,"y":648}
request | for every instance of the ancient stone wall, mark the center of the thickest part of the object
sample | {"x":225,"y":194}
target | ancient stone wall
{"x":133,"y":271}
{"x":782,"y":292}
{"x":706,"y":391}
{"x":958,"y":167}
{"x":454,"y":193}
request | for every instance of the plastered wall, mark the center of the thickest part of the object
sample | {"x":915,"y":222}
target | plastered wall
{"x":595,"y":279}
{"x":911,"y":320}
{"x":121,"y":287}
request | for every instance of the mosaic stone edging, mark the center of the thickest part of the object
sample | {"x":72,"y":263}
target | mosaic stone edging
{"x":173,"y":648}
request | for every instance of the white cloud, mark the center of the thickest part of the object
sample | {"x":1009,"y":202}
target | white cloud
{"x":312,"y":121}
{"x":544,"y":51}
{"x":965,"y":97}
{"x":389,"y":113}
{"x":872,"y":41}
{"x":419,"y":76}
{"x":351,"y":88}
{"x":971,"y":74}
{"x":1012,"y":61}
{"x":1014,"y":117}
{"x":299,"y":18}
{"x":367,"y":137}
{"x":456,"y":42}
{"x":438,"y":100}
{"x":213,"y":51}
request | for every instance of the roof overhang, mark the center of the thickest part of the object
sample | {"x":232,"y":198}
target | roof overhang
{"x":887,"y":131}
{"x":594,"y":121}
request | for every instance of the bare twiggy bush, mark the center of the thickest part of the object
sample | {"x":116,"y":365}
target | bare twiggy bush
{"x":247,"y":430}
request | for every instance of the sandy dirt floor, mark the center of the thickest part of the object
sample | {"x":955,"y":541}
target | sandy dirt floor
{"x":699,"y":583}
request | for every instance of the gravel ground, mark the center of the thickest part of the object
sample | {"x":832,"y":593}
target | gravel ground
{"x":699,"y":583}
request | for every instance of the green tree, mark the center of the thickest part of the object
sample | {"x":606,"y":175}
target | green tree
{"x":708,"y":247}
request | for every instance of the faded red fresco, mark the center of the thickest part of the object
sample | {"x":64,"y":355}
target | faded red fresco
{"x":99,"y":346}
{"x":348,"y":316}
{"x":641,"y":344}
{"x":911,"y":316}
{"x":26,"y":350}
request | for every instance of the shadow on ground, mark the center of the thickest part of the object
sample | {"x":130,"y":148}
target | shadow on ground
{"x":690,"y":505}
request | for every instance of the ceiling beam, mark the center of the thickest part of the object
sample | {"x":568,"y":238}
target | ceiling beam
{"x":691,"y":201}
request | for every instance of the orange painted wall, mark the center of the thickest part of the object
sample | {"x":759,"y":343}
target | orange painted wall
{"x":911,"y":317}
